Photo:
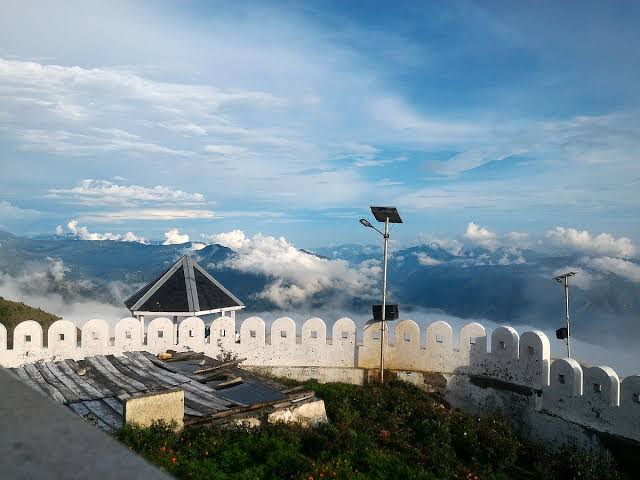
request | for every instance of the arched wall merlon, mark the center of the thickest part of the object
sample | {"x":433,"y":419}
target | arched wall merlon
{"x":439,"y":337}
{"x":565,"y":379}
{"x":283,"y":332}
{"x":344,"y":330}
{"x":504,"y":343}
{"x":473,"y":341}
{"x":128,"y":334}
{"x":161,"y":335}
{"x":222,"y":333}
{"x":95,"y":336}
{"x":601,"y":386}
{"x":369,"y":351}
{"x":62,"y":336}
{"x":405,"y":353}
{"x":27,"y":336}
{"x":628,"y":420}
{"x":314,"y":331}
{"x":191,"y":333}
{"x":535,"y":356}
{"x":3,"y":337}
{"x":253,"y":333}
{"x":630,"y":393}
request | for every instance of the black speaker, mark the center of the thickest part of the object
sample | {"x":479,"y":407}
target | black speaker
{"x":390,"y":312}
{"x":562,"y":333}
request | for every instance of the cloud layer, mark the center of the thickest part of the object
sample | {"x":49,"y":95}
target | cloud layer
{"x":298,"y":278}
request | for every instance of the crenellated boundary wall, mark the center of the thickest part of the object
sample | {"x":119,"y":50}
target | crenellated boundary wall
{"x":547,"y":400}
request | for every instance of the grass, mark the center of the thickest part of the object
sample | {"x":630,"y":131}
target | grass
{"x":393,"y":431}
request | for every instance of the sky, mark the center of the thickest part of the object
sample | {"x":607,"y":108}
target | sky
{"x":183,"y":120}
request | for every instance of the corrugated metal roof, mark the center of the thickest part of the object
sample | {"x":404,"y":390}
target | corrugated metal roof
{"x":250,"y":393}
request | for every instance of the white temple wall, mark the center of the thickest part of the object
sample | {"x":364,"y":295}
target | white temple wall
{"x":593,"y":397}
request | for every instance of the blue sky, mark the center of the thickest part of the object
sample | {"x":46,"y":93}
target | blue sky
{"x":290,"y":118}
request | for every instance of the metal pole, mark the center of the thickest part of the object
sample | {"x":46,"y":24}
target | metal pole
{"x":566,"y":296}
{"x":384,"y":301}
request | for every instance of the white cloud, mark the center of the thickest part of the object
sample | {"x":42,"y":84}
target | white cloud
{"x":517,"y":239}
{"x":55,"y":79}
{"x":235,"y":239}
{"x":45,"y":285}
{"x":225,"y":150}
{"x":617,"y":266}
{"x":83,"y":233}
{"x":93,"y":141}
{"x":582,"y":241}
{"x":397,"y":116}
{"x":371,"y":163}
{"x":174,"y":237}
{"x":100,"y":192}
{"x":160,"y":214}
{"x":480,"y":236}
{"x":11,"y":212}
{"x":297,"y":276}
{"x":426,"y":260}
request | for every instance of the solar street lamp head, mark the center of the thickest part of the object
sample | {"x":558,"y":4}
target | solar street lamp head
{"x":383,"y":213}
{"x":366,"y":223}
{"x":560,"y":278}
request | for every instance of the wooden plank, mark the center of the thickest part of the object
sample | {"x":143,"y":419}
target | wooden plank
{"x":222,"y":365}
{"x":134,"y":383}
{"x":228,"y":383}
{"x":89,"y":416}
{"x":22,"y":375}
{"x":42,"y":383}
{"x":98,"y":379}
{"x":159,"y":363}
{"x":80,"y":380}
{"x":88,"y":378}
{"x":105,"y":413}
{"x":52,"y":380}
{"x":122,"y":385}
{"x":67,"y":382}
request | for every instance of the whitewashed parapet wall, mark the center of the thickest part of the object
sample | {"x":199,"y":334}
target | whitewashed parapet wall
{"x":592,"y":396}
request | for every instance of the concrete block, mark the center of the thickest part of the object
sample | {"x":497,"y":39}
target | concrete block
{"x":145,"y":409}
{"x":307,"y":414}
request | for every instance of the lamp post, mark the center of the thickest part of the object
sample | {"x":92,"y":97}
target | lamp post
{"x":386,"y":215}
{"x":564,"y":281}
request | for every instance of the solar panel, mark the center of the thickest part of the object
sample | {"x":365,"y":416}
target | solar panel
{"x":382,"y":213}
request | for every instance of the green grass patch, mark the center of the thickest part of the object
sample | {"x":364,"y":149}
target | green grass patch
{"x":393,"y":431}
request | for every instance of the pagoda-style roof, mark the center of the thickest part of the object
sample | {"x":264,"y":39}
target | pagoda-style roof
{"x":183,"y":289}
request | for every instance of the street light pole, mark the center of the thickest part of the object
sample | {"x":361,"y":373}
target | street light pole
{"x":564,"y":281}
{"x":566,"y":298}
{"x":383,"y":323}
{"x":384,"y":215}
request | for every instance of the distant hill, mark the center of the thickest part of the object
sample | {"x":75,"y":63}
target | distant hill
{"x":12,"y":313}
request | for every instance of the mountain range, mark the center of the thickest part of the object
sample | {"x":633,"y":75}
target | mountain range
{"x":503,"y":285}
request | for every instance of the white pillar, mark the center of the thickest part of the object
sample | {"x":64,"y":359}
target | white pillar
{"x":142,"y":335}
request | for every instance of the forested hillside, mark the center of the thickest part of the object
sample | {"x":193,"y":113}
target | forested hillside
{"x":12,"y":313}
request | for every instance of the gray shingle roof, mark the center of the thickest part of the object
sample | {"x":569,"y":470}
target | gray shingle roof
{"x":183,"y":287}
